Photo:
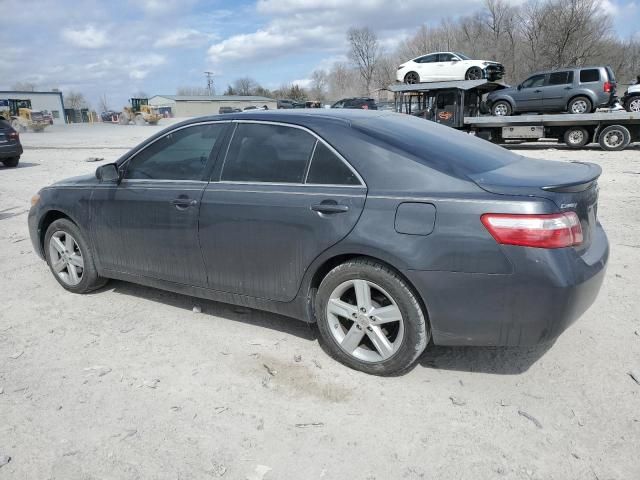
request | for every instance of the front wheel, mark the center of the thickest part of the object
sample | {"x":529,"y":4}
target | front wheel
{"x":70,"y":259}
{"x":411,"y":78}
{"x":632,"y":104}
{"x":501,"y":108}
{"x":474,"y":73}
{"x":370,"y":319}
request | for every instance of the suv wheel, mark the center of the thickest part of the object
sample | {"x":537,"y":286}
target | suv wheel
{"x":632,"y":104}
{"x":576,"y":137}
{"x":370,"y":319}
{"x":580,"y":105}
{"x":501,"y":108}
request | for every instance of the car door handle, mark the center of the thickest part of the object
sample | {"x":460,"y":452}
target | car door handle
{"x":182,"y":203}
{"x":330,"y":208}
{"x":568,"y":88}
{"x":537,"y":91}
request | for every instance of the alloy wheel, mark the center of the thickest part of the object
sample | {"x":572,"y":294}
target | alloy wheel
{"x":634,"y":105}
{"x":474,"y":73}
{"x":365,"y":321}
{"x":66,"y":258}
{"x":411,"y":78}
{"x":579,"y":106}
{"x":500,"y":110}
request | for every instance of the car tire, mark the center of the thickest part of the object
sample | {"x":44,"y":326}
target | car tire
{"x":11,"y":162}
{"x":474,"y":73}
{"x":353,"y":326}
{"x":501,"y":108}
{"x":580,"y":105}
{"x":77,"y":257}
{"x":412,"y":78}
{"x":632,"y":104}
{"x":614,"y":138}
{"x":576,"y":137}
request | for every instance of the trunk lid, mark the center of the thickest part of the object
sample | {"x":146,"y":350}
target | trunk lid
{"x":571,"y":186}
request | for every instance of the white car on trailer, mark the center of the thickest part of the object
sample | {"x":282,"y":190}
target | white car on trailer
{"x":445,"y":66}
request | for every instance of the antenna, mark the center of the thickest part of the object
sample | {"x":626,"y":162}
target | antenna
{"x":209,"y":76}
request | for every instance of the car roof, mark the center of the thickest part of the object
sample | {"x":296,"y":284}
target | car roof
{"x":564,"y":69}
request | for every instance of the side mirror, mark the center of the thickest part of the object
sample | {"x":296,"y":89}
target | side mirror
{"x":455,"y":59}
{"x":108,"y":173}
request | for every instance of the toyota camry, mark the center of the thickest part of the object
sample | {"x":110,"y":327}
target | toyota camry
{"x":388,"y":231}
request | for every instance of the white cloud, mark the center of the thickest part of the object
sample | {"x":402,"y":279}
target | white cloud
{"x":88,"y":37}
{"x":302,"y":83}
{"x":183,"y":37}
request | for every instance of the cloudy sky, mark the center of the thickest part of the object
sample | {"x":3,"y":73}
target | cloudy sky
{"x":119,"y":47}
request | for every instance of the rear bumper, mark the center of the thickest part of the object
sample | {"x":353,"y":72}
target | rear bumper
{"x":10,"y":150}
{"x":547,"y":292}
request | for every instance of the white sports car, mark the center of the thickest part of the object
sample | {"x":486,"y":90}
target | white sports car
{"x":444,"y":66}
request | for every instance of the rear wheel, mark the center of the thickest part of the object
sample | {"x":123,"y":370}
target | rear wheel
{"x":580,"y":105}
{"x":576,"y":137}
{"x":370,"y":319}
{"x":614,"y":137}
{"x":501,"y":108}
{"x":411,"y":78}
{"x":70,"y":259}
{"x":11,"y":162}
{"x":632,"y":104}
{"x":474,"y":73}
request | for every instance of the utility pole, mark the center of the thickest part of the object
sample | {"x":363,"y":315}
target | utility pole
{"x":209,"y":76}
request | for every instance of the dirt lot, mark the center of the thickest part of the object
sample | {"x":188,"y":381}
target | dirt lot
{"x":129,"y":383}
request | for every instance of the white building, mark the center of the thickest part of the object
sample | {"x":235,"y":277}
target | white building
{"x":40,"y":101}
{"x":195,"y":105}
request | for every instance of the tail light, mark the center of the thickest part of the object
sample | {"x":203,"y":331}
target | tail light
{"x":14,"y":135}
{"x":556,"y":230}
{"x":608,"y":87}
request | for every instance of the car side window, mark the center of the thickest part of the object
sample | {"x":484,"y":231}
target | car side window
{"x":590,"y":75}
{"x":560,"y":78}
{"x":268,"y":153}
{"x":445,"y":57}
{"x":428,"y":58}
{"x":327,"y":169}
{"x":179,"y":155}
{"x":339,"y":104}
{"x":535,"y":81}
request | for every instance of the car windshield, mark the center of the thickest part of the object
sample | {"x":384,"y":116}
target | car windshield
{"x":462,"y":56}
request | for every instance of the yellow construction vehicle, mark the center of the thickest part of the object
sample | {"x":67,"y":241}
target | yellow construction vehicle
{"x":27,"y":119}
{"x":139,"y":113}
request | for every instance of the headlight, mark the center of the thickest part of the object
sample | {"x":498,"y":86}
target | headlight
{"x":486,"y":63}
{"x":35,"y":199}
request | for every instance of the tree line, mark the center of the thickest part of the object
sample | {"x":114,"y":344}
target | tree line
{"x":536,"y":35}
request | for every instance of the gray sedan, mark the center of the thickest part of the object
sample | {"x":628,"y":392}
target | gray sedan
{"x":387,"y":231}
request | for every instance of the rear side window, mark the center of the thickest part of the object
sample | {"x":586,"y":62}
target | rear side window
{"x":179,"y":155}
{"x":268,"y":153}
{"x":560,"y":78}
{"x":590,"y":75}
{"x":327,"y":169}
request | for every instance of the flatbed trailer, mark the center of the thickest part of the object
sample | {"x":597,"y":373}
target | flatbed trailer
{"x":459,"y":104}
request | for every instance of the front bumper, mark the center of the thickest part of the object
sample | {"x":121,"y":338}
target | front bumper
{"x":10,"y":150}
{"x":494,"y":72}
{"x":547,"y":292}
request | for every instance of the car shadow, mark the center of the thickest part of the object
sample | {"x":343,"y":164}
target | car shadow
{"x":496,"y":360}
{"x":217,"y":309}
{"x":20,"y":165}
{"x":11,"y":212}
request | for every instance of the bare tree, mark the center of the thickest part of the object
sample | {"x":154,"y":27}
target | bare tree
{"x":319,"y":83}
{"x":244,"y":86}
{"x":24,"y":87}
{"x":75,"y":100}
{"x":103,"y":104}
{"x":364,"y":53}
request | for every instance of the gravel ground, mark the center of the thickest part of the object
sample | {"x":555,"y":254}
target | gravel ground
{"x":129,"y":383}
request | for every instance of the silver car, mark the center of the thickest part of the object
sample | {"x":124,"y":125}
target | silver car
{"x":572,"y":90}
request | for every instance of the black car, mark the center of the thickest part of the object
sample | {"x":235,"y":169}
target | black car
{"x":286,"y":103}
{"x":358,"y":103}
{"x":10,"y":146}
{"x":388,"y":231}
